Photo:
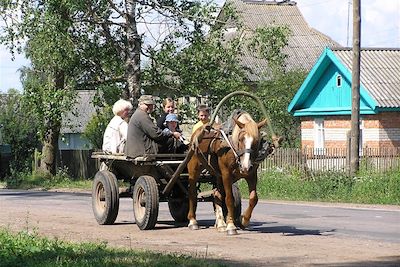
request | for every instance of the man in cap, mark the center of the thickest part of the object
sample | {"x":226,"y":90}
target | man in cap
{"x":143,"y":135}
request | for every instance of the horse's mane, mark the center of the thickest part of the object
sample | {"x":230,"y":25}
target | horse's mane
{"x":250,"y":126}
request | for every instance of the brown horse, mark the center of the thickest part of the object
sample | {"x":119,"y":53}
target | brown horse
{"x":230,"y":160}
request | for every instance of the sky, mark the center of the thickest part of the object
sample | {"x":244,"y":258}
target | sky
{"x":380,"y":27}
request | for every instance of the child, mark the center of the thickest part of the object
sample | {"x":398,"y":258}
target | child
{"x":168,"y":108}
{"x":203,"y":113}
{"x":173,"y":145}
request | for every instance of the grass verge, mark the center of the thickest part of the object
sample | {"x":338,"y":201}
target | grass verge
{"x":24,"y":180}
{"x":366,"y":188}
{"x":29,"y":249}
{"x":330,"y":187}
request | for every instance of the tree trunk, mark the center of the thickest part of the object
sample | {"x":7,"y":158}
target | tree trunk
{"x":133,"y":48}
{"x":50,"y":148}
{"x":50,"y":138}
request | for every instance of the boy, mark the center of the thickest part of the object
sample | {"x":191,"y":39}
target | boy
{"x":203,"y":113}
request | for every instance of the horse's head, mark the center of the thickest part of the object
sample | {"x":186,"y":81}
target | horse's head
{"x":246,"y":138}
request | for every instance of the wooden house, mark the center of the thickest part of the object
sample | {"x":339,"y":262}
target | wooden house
{"x":305,"y":44}
{"x":323,"y":102}
{"x":75,"y":121}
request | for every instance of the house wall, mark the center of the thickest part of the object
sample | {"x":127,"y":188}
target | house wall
{"x":73,"y":141}
{"x":377,"y":131}
{"x":382,"y":130}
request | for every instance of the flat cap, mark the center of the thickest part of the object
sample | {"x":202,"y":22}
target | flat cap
{"x":146,"y":99}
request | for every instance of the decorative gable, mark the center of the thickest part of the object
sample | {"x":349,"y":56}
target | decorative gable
{"x":327,"y":90}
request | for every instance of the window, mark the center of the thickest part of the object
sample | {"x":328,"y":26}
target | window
{"x":339,"y":80}
{"x":319,"y":135}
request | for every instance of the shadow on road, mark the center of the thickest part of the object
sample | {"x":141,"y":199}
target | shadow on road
{"x":392,"y":261}
{"x":36,"y":194}
{"x":286,"y":230}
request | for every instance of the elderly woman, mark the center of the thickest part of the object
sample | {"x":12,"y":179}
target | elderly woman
{"x":117,"y":129}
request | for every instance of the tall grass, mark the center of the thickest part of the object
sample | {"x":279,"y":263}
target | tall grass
{"x":29,"y":249}
{"x":328,"y":186}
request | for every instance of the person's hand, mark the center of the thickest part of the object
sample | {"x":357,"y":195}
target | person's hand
{"x":177,"y":135}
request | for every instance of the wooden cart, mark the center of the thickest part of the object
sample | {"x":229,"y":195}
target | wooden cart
{"x":152,"y":179}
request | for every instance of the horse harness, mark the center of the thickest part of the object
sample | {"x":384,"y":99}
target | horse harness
{"x":217,"y":135}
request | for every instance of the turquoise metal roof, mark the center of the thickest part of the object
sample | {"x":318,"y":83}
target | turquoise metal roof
{"x":320,"y":94}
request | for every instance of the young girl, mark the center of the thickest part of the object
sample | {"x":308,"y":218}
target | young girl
{"x":168,"y":108}
{"x":174,"y":145}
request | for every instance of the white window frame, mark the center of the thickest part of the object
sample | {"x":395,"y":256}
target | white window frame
{"x":339,"y":80}
{"x":319,"y":136}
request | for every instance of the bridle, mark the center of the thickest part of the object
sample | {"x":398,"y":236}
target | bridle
{"x":235,"y":149}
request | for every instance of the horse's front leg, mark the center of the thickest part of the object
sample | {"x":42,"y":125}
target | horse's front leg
{"x":194,"y":173}
{"x":253,"y":199}
{"x":229,"y":202}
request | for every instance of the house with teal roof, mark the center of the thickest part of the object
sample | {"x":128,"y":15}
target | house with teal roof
{"x":323,"y":102}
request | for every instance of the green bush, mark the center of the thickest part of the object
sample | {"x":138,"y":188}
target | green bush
{"x":97,"y":125}
{"x":20,"y":127}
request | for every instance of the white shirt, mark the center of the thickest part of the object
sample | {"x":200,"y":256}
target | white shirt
{"x":115,"y":135}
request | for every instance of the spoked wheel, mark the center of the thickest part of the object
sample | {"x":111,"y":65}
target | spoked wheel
{"x":105,"y":197}
{"x":145,"y":202}
{"x":178,"y":204}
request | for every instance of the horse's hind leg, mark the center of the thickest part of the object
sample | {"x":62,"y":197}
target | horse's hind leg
{"x":253,"y":199}
{"x":194,"y":173}
{"x":229,"y":202}
{"x":219,"y":214}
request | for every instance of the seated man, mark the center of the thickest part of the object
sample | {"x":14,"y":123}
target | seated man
{"x":143,"y":135}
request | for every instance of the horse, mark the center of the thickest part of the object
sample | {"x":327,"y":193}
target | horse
{"x":230,"y":159}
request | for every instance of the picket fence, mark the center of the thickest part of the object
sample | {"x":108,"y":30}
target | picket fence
{"x":331,"y":159}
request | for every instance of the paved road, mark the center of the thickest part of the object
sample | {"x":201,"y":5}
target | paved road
{"x":308,"y":233}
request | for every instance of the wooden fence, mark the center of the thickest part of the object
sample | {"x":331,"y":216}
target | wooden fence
{"x":79,"y":163}
{"x":331,"y":159}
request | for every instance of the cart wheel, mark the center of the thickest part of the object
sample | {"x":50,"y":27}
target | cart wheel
{"x":105,"y":197}
{"x":145,"y":202}
{"x":237,"y":204}
{"x":178,"y":205}
{"x":179,"y":209}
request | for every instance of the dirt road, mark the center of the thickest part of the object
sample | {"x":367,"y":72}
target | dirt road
{"x":274,"y":238}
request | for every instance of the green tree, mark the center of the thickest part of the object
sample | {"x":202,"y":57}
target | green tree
{"x":20,"y":126}
{"x":279,"y":85}
{"x":207,"y":66}
{"x":276,"y":95}
{"x":79,"y":44}
{"x":50,"y":48}
{"x":199,"y":62}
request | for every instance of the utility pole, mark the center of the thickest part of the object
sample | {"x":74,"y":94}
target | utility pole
{"x":355,"y":91}
{"x":348,"y":23}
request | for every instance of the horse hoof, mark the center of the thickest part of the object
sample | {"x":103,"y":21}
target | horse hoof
{"x":194,"y":227}
{"x":241,"y":226}
{"x":221,"y":229}
{"x":231,"y":232}
{"x":242,"y":223}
